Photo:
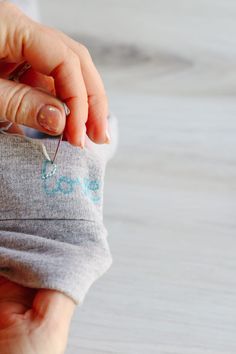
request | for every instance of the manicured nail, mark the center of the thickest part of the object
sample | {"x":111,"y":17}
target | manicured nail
{"x":108,"y":137}
{"x":50,"y":118}
{"x":82,"y":141}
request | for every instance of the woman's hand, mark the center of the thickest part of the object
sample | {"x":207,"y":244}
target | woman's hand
{"x":33,"y":321}
{"x":61,"y":67}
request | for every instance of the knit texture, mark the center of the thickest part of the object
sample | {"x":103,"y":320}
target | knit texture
{"x":52,"y":233}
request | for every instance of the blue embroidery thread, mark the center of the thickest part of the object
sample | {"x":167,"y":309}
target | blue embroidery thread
{"x":66,"y":185}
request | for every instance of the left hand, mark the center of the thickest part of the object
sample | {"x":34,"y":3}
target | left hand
{"x":33,"y":321}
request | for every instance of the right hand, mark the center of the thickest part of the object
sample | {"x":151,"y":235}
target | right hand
{"x":61,"y":67}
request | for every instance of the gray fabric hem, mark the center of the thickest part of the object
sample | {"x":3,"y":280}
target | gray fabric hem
{"x":83,"y":283}
{"x":59,"y":240}
{"x":38,"y":263}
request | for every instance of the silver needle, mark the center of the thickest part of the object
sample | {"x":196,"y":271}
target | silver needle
{"x":67,"y":112}
{"x":58,"y":145}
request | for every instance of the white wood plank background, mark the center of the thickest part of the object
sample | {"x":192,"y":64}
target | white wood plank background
{"x":170,"y":203}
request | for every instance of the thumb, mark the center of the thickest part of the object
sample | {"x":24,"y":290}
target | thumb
{"x":52,"y":304}
{"x":33,"y":108}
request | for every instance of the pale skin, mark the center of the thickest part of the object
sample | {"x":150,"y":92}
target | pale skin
{"x":61,"y":67}
{"x":37,"y":321}
{"x":33,"y":321}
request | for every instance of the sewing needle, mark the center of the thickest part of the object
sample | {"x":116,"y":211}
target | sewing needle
{"x":67,"y":112}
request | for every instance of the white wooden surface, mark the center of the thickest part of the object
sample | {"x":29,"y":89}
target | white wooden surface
{"x":170,"y":204}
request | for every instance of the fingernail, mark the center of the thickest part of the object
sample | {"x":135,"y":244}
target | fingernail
{"x":50,"y":118}
{"x":82,"y":139}
{"x":108,"y":137}
{"x":78,"y":141}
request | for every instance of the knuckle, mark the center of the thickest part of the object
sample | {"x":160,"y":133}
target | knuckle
{"x":6,"y":5}
{"x":9,"y":9}
{"x":75,"y":60}
{"x":16,"y":104}
{"x":98,"y":99}
{"x":84,"y":51}
{"x":51,"y":32}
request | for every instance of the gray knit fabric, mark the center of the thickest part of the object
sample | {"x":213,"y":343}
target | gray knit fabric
{"x":51,"y":228}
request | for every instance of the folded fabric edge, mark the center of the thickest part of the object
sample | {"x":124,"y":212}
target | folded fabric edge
{"x":70,"y":269}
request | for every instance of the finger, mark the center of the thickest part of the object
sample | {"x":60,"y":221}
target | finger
{"x":35,"y":79}
{"x":3,"y":280}
{"x":13,"y":129}
{"x":53,"y":304}
{"x":45,"y":84}
{"x":16,"y":129}
{"x":97,"y":125}
{"x":30,"y":77}
{"x":48,"y":54}
{"x":64,"y":67}
{"x":24,"y":105}
{"x":6,"y":69}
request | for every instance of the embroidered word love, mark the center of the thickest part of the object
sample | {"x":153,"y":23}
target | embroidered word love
{"x":66,"y":185}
